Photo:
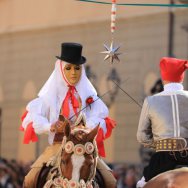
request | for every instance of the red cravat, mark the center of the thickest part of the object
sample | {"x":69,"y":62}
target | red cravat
{"x":75,"y":104}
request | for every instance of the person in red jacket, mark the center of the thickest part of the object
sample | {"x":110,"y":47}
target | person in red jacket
{"x":67,"y":92}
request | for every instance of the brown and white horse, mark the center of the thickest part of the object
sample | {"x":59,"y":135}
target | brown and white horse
{"x":75,"y":164}
{"x":177,"y":178}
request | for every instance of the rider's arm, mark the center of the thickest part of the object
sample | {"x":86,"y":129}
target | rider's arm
{"x":144,"y":132}
{"x":98,"y":113}
{"x":37,"y":114}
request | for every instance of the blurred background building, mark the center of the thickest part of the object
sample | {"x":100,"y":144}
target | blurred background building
{"x":31,"y":33}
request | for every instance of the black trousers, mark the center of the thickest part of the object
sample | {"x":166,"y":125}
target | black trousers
{"x":164,"y":161}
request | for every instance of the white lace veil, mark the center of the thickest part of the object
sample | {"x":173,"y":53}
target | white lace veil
{"x":56,"y":88}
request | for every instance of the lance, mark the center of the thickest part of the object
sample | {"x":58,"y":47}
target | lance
{"x":127,"y":94}
{"x":99,"y":97}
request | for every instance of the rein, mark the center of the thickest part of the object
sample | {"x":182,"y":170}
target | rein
{"x":56,"y":177}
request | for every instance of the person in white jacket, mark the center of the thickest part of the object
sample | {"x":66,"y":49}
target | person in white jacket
{"x":66,"y":92}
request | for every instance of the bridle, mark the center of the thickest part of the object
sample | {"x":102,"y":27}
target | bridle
{"x":56,"y":177}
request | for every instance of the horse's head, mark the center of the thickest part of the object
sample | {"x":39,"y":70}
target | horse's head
{"x":79,"y":154}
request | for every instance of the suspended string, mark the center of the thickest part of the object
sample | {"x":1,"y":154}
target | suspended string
{"x":139,"y":4}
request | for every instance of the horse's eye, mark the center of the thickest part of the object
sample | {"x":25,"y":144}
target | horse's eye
{"x":63,"y":162}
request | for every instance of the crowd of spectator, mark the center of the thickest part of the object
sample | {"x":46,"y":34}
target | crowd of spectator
{"x":12,"y":174}
{"x":127,"y":175}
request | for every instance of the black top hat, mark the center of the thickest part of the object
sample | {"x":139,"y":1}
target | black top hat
{"x":72,"y":53}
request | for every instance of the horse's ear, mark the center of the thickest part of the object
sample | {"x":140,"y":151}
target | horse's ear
{"x":93,"y":134}
{"x":67,"y":130}
{"x":61,"y":118}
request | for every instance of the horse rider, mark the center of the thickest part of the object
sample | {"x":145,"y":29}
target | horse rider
{"x":163,"y":121}
{"x":66,"y":92}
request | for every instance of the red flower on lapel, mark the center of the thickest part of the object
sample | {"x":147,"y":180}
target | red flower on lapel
{"x":89,"y":101}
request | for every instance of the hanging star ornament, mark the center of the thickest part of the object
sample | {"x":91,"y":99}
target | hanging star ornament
{"x":112,"y":53}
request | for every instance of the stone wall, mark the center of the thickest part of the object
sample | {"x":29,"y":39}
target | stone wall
{"x":27,"y":59}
